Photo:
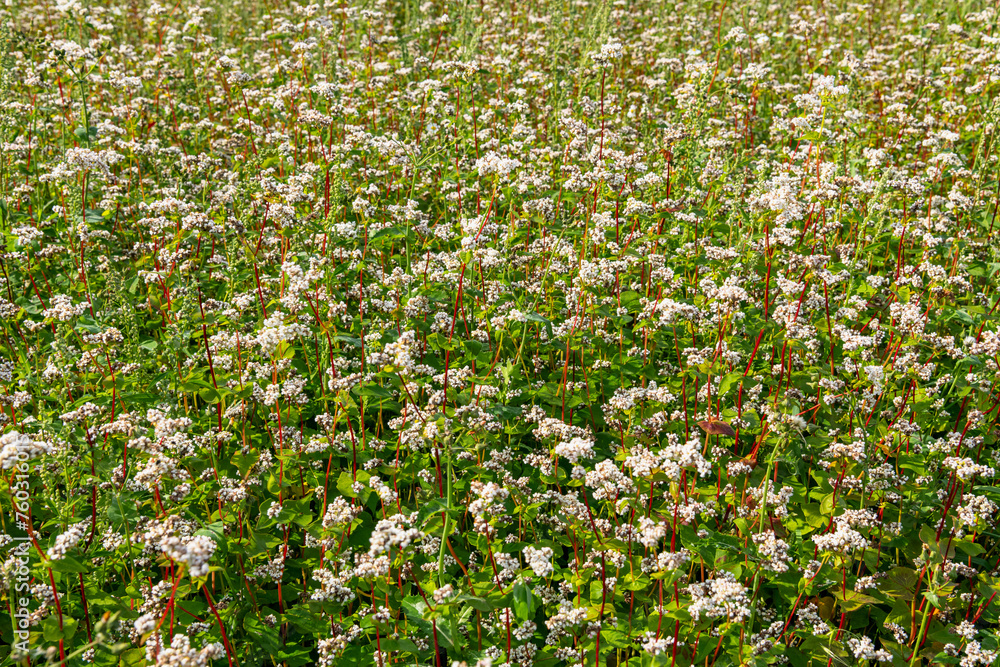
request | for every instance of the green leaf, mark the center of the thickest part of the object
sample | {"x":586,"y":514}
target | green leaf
{"x":434,"y":506}
{"x":535,"y":317}
{"x":372,"y":390}
{"x":356,"y":342}
{"x":215,"y":530}
{"x":415,"y":609}
{"x":827,"y":504}
{"x":728,"y":382}
{"x":295,"y":656}
{"x":399,"y":645}
{"x":135,"y":657}
{"x":263,"y":636}
{"x":596,"y":591}
{"x":150,"y":345}
{"x":479,"y":604}
{"x":345,"y":483}
{"x":616,"y":638}
{"x":970,"y":548}
{"x":53,"y":633}
{"x":439,"y":342}
{"x":306,"y":621}
{"x":523,"y":601}
{"x":210,"y":395}
{"x":68,"y":564}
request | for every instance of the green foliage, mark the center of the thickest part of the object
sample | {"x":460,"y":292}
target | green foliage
{"x":560,"y":333}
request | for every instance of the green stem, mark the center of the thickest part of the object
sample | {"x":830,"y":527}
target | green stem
{"x":918,"y":641}
{"x":444,"y":529}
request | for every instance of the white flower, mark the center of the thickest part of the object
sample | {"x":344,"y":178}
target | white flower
{"x":843,"y":540}
{"x":15,"y":447}
{"x":966,"y":468}
{"x":196,"y":552}
{"x":68,"y":540}
{"x":575,"y":449}
{"x":494,"y":163}
{"x":539,"y":560}
{"x":392,"y":533}
{"x":610,"y":51}
{"x":722,"y":596}
{"x":876,"y":375}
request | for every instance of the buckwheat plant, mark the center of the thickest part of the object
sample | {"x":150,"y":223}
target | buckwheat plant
{"x":591,"y":333}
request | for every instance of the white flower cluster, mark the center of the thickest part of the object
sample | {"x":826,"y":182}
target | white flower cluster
{"x":976,"y":509}
{"x":164,"y":426}
{"x":876,"y":375}
{"x":863,"y":648}
{"x":62,"y":308}
{"x":67,"y":540}
{"x":565,"y":618}
{"x":669,"y":312}
{"x":444,"y":594}
{"x":965,"y":469}
{"x":853,"y":451}
{"x":547,"y":426}
{"x":642,"y":462}
{"x":329,"y":651}
{"x":482,"y":662}
{"x":174,"y":538}
{"x":368,"y":567}
{"x":16,"y":447}
{"x":625,"y":399}
{"x":81,"y":414}
{"x":651,"y":531}
{"x":385,"y":492}
{"x":25,"y":234}
{"x":666,"y":561}
{"x":494,"y":163}
{"x":965,"y":629}
{"x":843,"y":540}
{"x":610,"y":52}
{"x":195,"y":552}
{"x":774,"y":551}
{"x":340,"y":513}
{"x":575,"y":449}
{"x":275,"y":332}
{"x":776,"y":499}
{"x":784,"y":422}
{"x":333,"y":586}
{"x":539,"y":560}
{"x":399,"y":351}
{"x":84,"y":159}
{"x":608,"y":481}
{"x":654,"y":646}
{"x":677,"y":457}
{"x":808,"y":616}
{"x":975,"y":655}
{"x":231,"y":491}
{"x":488,"y":503}
{"x":180,"y":653}
{"x":392,"y":533}
{"x":270,"y":570}
{"x":722,"y":596}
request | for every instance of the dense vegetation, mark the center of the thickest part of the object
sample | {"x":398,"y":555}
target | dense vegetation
{"x":545,"y":333}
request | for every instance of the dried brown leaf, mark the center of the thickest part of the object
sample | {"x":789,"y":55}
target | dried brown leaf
{"x":716,"y":427}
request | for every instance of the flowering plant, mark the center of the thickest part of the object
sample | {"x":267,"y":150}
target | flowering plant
{"x":483,"y":333}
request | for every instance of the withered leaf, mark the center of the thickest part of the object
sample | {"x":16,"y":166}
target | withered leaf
{"x":716,"y":427}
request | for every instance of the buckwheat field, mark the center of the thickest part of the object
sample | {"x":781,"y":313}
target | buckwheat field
{"x":556,"y":333}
